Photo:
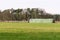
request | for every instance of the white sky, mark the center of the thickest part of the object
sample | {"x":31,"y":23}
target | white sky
{"x":51,"y":6}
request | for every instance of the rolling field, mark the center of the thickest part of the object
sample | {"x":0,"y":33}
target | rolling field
{"x":29,"y":31}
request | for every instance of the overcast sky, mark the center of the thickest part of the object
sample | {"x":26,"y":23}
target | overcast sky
{"x":51,"y":6}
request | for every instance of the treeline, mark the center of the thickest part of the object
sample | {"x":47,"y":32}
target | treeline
{"x":23,"y":14}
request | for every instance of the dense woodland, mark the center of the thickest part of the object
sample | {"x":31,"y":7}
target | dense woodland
{"x":25,"y":14}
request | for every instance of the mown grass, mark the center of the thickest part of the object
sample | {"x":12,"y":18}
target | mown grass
{"x":29,"y":31}
{"x":30,"y":36}
{"x":29,"y":27}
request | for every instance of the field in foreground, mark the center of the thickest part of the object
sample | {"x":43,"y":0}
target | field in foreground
{"x":29,"y":31}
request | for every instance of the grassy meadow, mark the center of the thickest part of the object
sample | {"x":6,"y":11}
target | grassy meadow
{"x":29,"y":31}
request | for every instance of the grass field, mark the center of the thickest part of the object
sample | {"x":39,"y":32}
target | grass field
{"x":29,"y":31}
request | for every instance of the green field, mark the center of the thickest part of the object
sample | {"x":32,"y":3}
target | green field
{"x":29,"y":31}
